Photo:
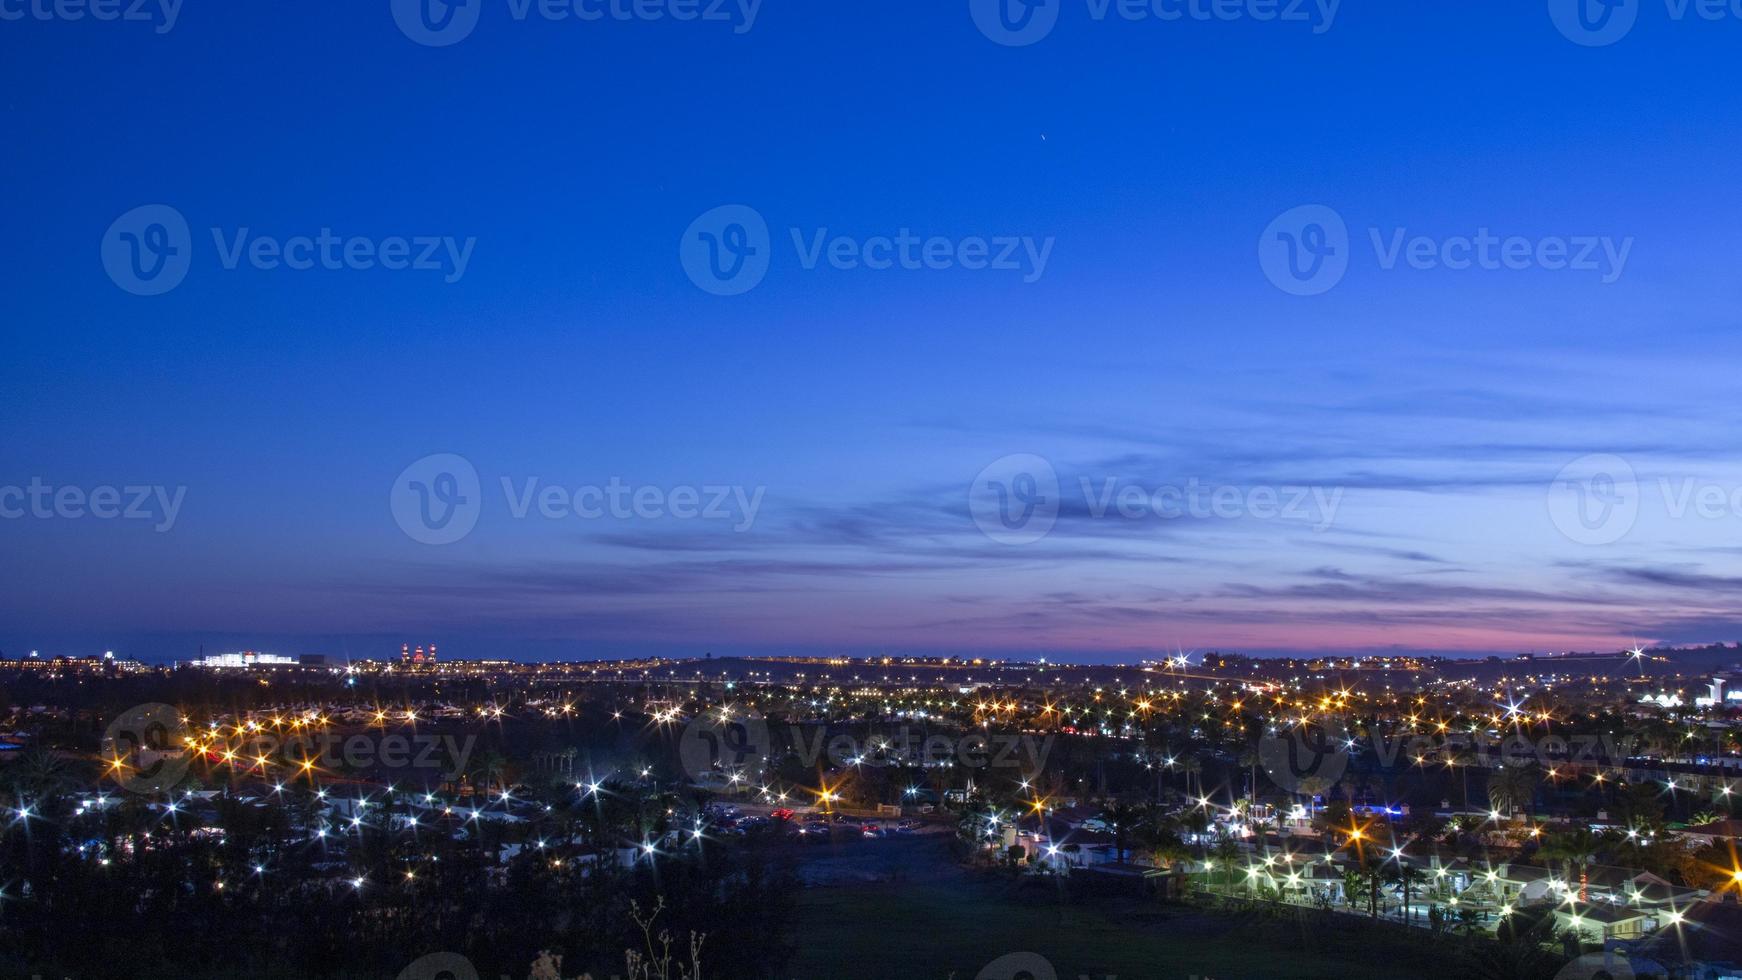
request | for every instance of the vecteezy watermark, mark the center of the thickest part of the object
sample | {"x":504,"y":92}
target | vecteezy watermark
{"x":1481,"y":749}
{"x":1307,"y":250}
{"x":1607,"y":965}
{"x":439,"y":23}
{"x":146,"y":749}
{"x":1018,"y":966}
{"x":727,"y":251}
{"x":1017,"y":499}
{"x":904,"y":746}
{"x":1594,"y":23}
{"x":723,"y":742}
{"x":736,"y":743}
{"x":160,"y":14}
{"x":1298,"y":754}
{"x":1599,"y":23}
{"x":1594,"y":500}
{"x":134,"y":502}
{"x":1315,"y":506}
{"x":440,"y":966}
{"x":438,"y":499}
{"x":1703,"y":499}
{"x":1597,"y":499}
{"x":445,"y":755}
{"x":1018,"y":23}
{"x":149,"y":250}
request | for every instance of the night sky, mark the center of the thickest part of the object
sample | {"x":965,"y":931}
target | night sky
{"x":1404,"y":449}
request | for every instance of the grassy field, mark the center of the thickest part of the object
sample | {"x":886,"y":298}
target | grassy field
{"x":954,"y":929}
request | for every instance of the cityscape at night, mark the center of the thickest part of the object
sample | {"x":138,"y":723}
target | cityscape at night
{"x":965,"y":490}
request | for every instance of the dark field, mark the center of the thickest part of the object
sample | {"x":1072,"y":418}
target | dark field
{"x":925,"y":918}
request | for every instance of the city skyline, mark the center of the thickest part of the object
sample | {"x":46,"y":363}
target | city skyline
{"x":1533,"y":281}
{"x":1168,"y":489}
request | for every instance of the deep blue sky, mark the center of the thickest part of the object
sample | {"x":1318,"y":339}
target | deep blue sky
{"x":1438,"y":404}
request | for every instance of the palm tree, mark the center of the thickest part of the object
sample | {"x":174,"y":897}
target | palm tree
{"x":1363,"y":877}
{"x":1659,"y":736}
{"x":1374,"y":786}
{"x":1354,"y":882}
{"x":1512,"y":786}
{"x":1407,"y":875}
{"x":490,"y":770}
{"x":1161,"y":838}
{"x":1462,"y":757}
{"x":37,"y":776}
{"x":1575,"y":848}
{"x":1125,"y":818}
{"x":1226,"y":852}
{"x":1311,"y":787}
{"x":1249,"y":760}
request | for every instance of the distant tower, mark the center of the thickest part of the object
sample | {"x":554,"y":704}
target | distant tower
{"x":1718,"y":689}
{"x":405,"y":653}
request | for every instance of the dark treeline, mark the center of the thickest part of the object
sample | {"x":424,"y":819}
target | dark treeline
{"x":126,"y":892}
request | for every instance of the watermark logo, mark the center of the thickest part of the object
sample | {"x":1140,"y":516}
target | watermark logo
{"x":907,"y":747}
{"x":1305,"y":251}
{"x":714,"y":742}
{"x":1494,"y":751}
{"x":726,"y":251}
{"x":1594,"y":500}
{"x":1015,"y":23}
{"x":1596,"y":966}
{"x":1302,"y":753}
{"x":437,"y":23}
{"x":437,"y":499}
{"x":1018,"y":498}
{"x":134,"y":502}
{"x":333,"y":752}
{"x":161,"y":14}
{"x":332,"y":252}
{"x":1018,"y":966}
{"x":1015,"y":499}
{"x":1315,"y":506}
{"x":1594,"y":23}
{"x":1599,"y":23}
{"x":146,"y":745}
{"x":440,"y":966}
{"x":622,"y":501}
{"x":148,"y":250}
{"x":1706,"y":500}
